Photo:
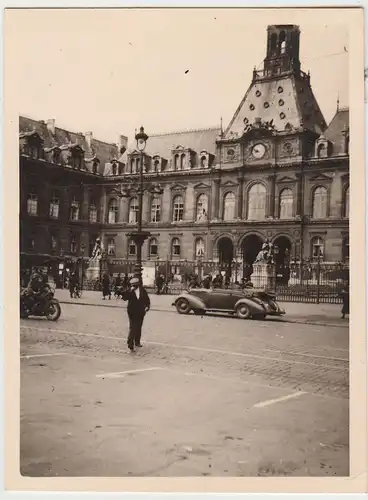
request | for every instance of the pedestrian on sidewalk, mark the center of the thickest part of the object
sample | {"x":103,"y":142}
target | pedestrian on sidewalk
{"x":138,"y":305}
{"x":344,"y":294}
{"x":106,"y":288}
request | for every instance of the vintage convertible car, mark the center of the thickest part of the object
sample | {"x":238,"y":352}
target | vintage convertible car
{"x":245,"y":304}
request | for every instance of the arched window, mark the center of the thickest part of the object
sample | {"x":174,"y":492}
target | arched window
{"x":182,"y":162}
{"x":229,"y":206}
{"x":54,"y":205}
{"x":155,"y":209}
{"x":156,"y":165}
{"x":133,"y":211}
{"x":203,"y":162}
{"x":74,"y":209}
{"x":73,"y":244}
{"x":320,"y":203}
{"x":32,"y":203}
{"x":92,"y":211}
{"x":153,"y":248}
{"x":114,"y":168}
{"x":202,"y":207}
{"x":317,"y":247}
{"x":175,"y":247}
{"x":347,"y":202}
{"x":132,"y":248}
{"x":286,"y":204}
{"x":282,"y":41}
{"x":111,"y":246}
{"x":176,"y":162}
{"x":178,"y":208}
{"x":321,"y":150}
{"x":199,"y":247}
{"x":273,"y":42}
{"x":113,"y":211}
{"x":257,"y":202}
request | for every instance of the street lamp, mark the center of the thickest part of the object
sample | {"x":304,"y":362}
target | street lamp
{"x":139,"y":236}
{"x":82,"y":250}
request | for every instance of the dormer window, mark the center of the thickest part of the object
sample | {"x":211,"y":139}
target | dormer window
{"x":114,"y":169}
{"x":56,"y":156}
{"x":95,"y":166}
{"x":77,"y":156}
{"x":31,"y":144}
{"x":322,"y":147}
{"x":203,"y":162}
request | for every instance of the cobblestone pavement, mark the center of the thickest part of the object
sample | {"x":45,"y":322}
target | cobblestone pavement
{"x":204,"y":396}
{"x":296,"y":312}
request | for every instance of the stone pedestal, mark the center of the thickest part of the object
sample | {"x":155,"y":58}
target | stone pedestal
{"x":95,"y":269}
{"x":264,"y":276}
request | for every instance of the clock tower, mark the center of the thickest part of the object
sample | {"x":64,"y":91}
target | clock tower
{"x":279,"y":118}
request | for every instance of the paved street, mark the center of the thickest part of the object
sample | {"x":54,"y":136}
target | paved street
{"x":211,"y":396}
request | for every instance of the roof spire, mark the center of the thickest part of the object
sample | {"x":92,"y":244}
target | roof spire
{"x":338,"y":103}
{"x":222,"y":131}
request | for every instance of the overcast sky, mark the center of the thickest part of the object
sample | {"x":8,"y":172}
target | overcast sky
{"x":109,"y":71}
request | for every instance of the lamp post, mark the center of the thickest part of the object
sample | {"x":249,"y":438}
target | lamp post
{"x":139,"y":236}
{"x":82,"y":250}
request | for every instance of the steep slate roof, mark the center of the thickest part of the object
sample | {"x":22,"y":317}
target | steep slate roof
{"x":197,"y":140}
{"x":102,"y":150}
{"x":299,"y":105}
{"x":334,"y":131}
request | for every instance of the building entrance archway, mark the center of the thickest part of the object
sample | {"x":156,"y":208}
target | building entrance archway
{"x":226,"y":254}
{"x":251,"y":246}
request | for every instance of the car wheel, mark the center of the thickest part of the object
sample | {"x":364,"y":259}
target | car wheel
{"x":242,"y":311}
{"x":199,"y":312}
{"x":182,"y":306}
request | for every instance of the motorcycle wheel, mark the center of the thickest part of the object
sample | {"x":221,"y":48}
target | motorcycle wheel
{"x":54,"y":311}
{"x":243,"y":311}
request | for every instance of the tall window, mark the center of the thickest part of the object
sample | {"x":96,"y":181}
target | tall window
{"x":257,"y":202}
{"x":32,"y":203}
{"x":73,"y":244}
{"x":92,"y":211}
{"x":156,"y":165}
{"x":199,"y":247}
{"x":53,"y":243}
{"x":320,"y":203}
{"x":111,"y":246}
{"x":229,"y":206}
{"x":133,"y":166}
{"x":113,"y":211}
{"x":345,"y":248}
{"x":175,"y":247}
{"x":203,"y":162}
{"x":347,"y":202}
{"x":95,"y":167}
{"x":54,"y":205}
{"x":133,"y":211}
{"x":286,"y":204}
{"x":202,"y":207}
{"x":182,"y":162}
{"x":155,"y":209}
{"x":132,"y":248}
{"x":178,"y":205}
{"x":317,"y":247}
{"x":74,"y":209}
{"x":153,"y":249}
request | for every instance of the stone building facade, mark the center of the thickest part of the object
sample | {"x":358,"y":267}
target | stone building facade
{"x":276,"y":172}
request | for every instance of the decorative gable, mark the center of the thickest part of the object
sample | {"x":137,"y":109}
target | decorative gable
{"x":201,"y":187}
{"x":286,"y":180}
{"x":321,"y":178}
{"x":229,"y":184}
{"x":178,"y":187}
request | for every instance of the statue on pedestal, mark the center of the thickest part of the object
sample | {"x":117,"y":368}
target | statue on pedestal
{"x":266,"y":254}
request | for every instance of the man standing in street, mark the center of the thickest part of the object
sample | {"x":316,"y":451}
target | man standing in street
{"x":138,"y":305}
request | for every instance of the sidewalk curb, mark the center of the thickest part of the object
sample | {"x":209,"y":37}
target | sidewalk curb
{"x":296,"y":321}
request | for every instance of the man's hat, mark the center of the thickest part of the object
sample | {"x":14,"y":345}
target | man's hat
{"x":134,"y":281}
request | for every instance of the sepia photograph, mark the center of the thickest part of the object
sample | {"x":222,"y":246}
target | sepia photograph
{"x":184,"y":258}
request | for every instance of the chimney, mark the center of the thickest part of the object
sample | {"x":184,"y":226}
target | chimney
{"x":123,"y":144}
{"x":88,"y":136}
{"x":51,"y":125}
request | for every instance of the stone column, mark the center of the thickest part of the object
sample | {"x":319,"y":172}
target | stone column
{"x":215,"y":201}
{"x":298,"y":208}
{"x":270,"y":212}
{"x":103,"y":207}
{"x":240,"y":195}
{"x":85,"y":204}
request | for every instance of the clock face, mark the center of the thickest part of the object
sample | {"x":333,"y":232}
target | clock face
{"x":258,"y":151}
